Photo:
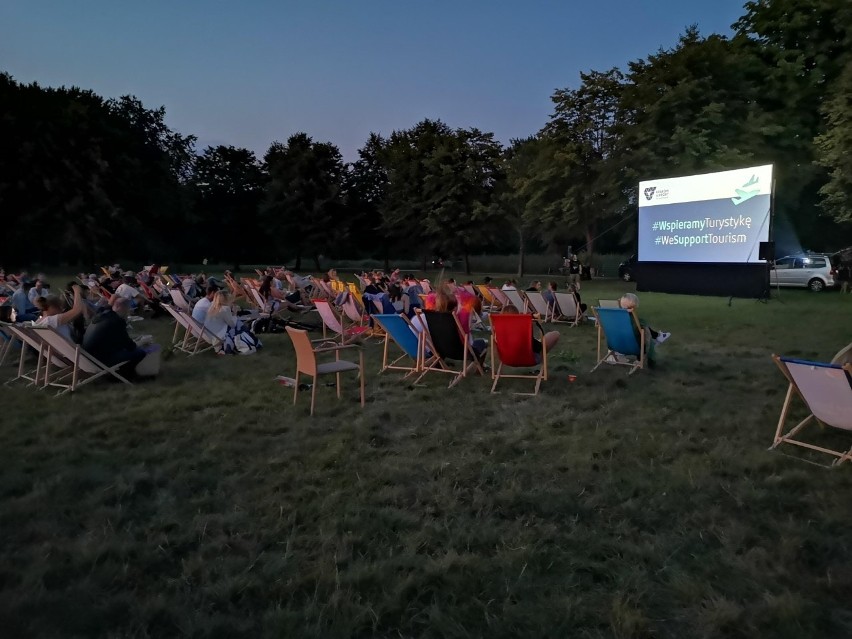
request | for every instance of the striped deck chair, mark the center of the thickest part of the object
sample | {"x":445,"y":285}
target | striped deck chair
{"x":512,"y":345}
{"x":334,"y":323}
{"x":399,"y":330}
{"x":567,"y":308}
{"x":540,"y":306}
{"x":85,"y":368}
{"x":826,"y":391}
{"x":443,"y":340}
{"x":619,"y":327}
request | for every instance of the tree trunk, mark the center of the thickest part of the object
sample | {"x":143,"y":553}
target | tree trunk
{"x":467,"y":263}
{"x":590,"y":244}
{"x":424,"y":263}
{"x":520,"y":252}
{"x":298,"y":265}
{"x":387,"y":256}
{"x":317,"y":262}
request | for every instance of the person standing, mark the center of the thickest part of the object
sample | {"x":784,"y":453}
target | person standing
{"x":574,"y":272}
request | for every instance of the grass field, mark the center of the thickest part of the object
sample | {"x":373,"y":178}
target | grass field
{"x":204,"y":504}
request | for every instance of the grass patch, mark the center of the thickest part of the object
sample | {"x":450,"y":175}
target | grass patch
{"x":204,"y":504}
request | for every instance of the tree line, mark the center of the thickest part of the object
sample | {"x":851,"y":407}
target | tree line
{"x":85,"y":179}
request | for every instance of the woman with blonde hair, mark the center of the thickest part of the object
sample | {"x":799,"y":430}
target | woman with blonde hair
{"x":224,"y":325}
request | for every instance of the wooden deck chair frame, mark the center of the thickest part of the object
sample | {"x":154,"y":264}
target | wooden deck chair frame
{"x":436,"y":363}
{"x":306,"y":364}
{"x":194,"y":333}
{"x":568,"y":310}
{"x":831,"y":415}
{"x":85,"y":367}
{"x":497,"y":363}
{"x":640,"y":359}
{"x":391,"y":323}
{"x":28,"y":338}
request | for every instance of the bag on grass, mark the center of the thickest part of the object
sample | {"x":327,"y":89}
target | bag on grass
{"x":240,"y":341}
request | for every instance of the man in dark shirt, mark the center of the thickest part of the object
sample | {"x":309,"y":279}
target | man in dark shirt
{"x":107,"y":339}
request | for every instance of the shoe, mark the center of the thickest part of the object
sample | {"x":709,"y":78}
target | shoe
{"x":610,"y":359}
{"x":662,"y":337}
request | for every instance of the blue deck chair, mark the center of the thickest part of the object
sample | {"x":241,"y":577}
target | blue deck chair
{"x":826,"y":391}
{"x":398,"y":329}
{"x":620,"y":328}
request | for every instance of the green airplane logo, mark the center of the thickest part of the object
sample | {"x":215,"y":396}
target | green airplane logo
{"x":743,"y":195}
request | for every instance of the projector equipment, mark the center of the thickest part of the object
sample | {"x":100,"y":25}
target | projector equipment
{"x":766,"y":251}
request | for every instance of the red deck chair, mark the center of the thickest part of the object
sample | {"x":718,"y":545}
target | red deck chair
{"x":512,"y":344}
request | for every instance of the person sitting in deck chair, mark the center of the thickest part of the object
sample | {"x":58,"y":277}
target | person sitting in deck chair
{"x":199,"y":311}
{"x":550,"y":339}
{"x":107,"y":339}
{"x":221,"y":322}
{"x":57,"y":318}
{"x":630,"y":301}
{"x":277,"y":300}
{"x":446,"y":301}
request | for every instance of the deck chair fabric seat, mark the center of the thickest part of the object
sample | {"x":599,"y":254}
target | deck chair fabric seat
{"x":540,"y":305}
{"x":399,"y":330}
{"x":569,"y":310}
{"x":444,"y":339}
{"x":512,"y":346}
{"x":826,"y":391}
{"x":620,"y":329}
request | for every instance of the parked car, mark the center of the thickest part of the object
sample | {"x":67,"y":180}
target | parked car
{"x":807,"y":270}
{"x":627,"y":269}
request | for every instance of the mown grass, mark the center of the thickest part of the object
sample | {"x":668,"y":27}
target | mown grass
{"x":203,"y":504}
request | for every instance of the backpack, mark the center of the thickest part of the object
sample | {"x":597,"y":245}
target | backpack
{"x":240,"y":341}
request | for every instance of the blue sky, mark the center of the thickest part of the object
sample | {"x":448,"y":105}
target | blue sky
{"x":247,"y":73}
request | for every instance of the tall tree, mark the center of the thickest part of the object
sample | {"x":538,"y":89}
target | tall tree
{"x":228,"y":182}
{"x":303,"y":200}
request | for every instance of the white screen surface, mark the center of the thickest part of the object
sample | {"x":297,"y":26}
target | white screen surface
{"x":713,"y":217}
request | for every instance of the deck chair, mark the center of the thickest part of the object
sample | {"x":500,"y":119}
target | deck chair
{"x":608,"y":304}
{"x":6,"y":343}
{"x":180,"y":300}
{"x":500,"y":297}
{"x":445,"y":340}
{"x":334,"y":323}
{"x":511,"y":344}
{"x":399,"y":330}
{"x":826,"y":391}
{"x":85,"y":367}
{"x":351,"y":310}
{"x":488,"y":301}
{"x":540,"y":306}
{"x":567,"y":310}
{"x":195,"y":338}
{"x":619,"y":326}
{"x":27,"y":337}
{"x":517,"y":300}
{"x":306,"y":363}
